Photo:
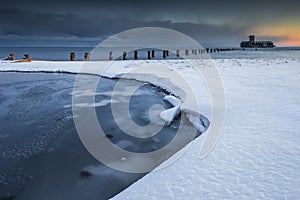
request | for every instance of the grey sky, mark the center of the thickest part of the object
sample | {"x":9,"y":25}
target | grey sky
{"x":210,"y":22}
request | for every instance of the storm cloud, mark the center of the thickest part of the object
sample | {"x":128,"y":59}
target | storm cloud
{"x":216,"y":22}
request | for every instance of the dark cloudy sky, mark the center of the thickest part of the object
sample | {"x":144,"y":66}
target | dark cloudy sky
{"x":87,"y":22}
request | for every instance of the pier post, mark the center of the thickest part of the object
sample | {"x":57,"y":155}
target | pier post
{"x":72,"y":56}
{"x":87,"y":56}
{"x":135,"y":56}
{"x":149,"y":54}
{"x":110,"y":56}
{"x":186,"y":52}
{"x":11,"y":57}
{"x":164,"y":54}
{"x":125,"y":55}
{"x":152,"y":53}
{"x":177,"y":53}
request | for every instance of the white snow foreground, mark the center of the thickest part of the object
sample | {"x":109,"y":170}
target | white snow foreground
{"x":257,"y":156}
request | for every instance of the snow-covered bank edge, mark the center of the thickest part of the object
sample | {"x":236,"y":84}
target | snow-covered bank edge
{"x":256,"y":157}
{"x":174,"y":95}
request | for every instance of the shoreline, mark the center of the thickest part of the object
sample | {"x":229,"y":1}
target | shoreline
{"x":58,"y":146}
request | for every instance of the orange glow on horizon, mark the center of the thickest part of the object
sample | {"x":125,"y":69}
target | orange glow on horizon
{"x":287,"y":33}
{"x":295,"y":43}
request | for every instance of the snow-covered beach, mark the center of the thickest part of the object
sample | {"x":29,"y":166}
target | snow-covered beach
{"x":257,"y":154}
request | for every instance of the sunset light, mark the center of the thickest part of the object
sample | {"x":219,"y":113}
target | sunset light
{"x":287,"y":34}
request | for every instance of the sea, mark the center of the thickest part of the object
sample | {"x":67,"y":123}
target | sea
{"x":63,"y":53}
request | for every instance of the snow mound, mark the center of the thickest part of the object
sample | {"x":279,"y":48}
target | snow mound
{"x":173,"y":100}
{"x":169,"y":114}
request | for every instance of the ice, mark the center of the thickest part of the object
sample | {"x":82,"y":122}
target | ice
{"x":42,"y":156}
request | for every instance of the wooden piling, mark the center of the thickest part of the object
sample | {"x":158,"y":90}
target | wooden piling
{"x":149,"y":54}
{"x":11,"y":57}
{"x":110,"y":56}
{"x":177,"y":53}
{"x":86,"y":56}
{"x":72,"y":56}
{"x":125,"y":55}
{"x":135,"y":56}
{"x":186,"y":52}
{"x":153,"y":53}
{"x":164,"y":54}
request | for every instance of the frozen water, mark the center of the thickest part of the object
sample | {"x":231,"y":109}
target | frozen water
{"x":42,"y":156}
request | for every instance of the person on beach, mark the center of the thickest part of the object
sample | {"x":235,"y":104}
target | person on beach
{"x":11,"y":57}
{"x":26,"y":58}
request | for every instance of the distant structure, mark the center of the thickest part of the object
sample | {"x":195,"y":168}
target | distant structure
{"x":256,"y":44}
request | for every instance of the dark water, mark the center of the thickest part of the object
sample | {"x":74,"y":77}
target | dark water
{"x":45,"y":53}
{"x":42,"y":156}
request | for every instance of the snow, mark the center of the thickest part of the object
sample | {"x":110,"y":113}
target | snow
{"x":257,"y":156}
{"x":169,"y":114}
{"x":173,"y":100}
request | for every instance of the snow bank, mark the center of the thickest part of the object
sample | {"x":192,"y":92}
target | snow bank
{"x":257,"y":156}
{"x":173,"y":100}
{"x":169,"y":114}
